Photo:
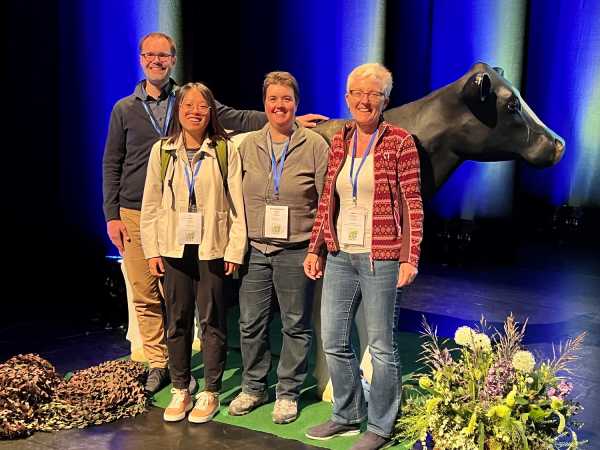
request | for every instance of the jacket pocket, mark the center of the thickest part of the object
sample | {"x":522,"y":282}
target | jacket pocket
{"x":166,"y":228}
{"x":222,"y":231}
{"x":216,"y":234}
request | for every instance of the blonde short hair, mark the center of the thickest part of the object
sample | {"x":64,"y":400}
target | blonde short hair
{"x":372,"y":70}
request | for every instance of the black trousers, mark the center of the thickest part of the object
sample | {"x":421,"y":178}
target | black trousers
{"x":193,"y":284}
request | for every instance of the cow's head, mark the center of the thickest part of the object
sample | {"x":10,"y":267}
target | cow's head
{"x":501,"y":125}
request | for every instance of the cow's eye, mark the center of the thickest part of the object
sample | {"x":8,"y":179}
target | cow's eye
{"x":514,"y":105}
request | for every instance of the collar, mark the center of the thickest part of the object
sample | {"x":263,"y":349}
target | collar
{"x":140,"y":90}
{"x":178,"y":147}
{"x":298,"y":136}
{"x":350,"y":127}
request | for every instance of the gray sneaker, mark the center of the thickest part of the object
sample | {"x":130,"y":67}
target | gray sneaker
{"x":158,"y":378}
{"x":372,"y":441}
{"x":285,"y":410}
{"x":331,"y":429}
{"x":244,"y":403}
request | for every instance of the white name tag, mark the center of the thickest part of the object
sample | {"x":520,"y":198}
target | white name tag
{"x":189,"y":228}
{"x":276,"y":222}
{"x":353,"y":226}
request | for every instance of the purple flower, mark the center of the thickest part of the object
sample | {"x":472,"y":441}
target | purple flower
{"x":563,"y":389}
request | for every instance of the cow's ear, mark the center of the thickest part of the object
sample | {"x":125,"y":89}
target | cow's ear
{"x":478,"y":87}
{"x":499,"y":71}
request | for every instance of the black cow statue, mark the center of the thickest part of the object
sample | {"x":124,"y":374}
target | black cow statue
{"x":480,"y":117}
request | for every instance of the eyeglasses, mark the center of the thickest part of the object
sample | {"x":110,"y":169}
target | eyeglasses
{"x":150,"y":56}
{"x":372,"y":96}
{"x":187,"y":107}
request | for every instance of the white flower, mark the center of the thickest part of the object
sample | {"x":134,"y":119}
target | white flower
{"x":464,"y":336}
{"x":482,"y":342}
{"x":523,"y":361}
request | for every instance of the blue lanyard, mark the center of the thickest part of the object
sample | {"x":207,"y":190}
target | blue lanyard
{"x":170,"y":103}
{"x":277,"y":169}
{"x":190,"y":182}
{"x":354,"y":180}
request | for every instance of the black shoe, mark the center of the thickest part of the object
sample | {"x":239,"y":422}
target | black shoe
{"x":331,"y":429}
{"x":158,"y":378}
{"x":372,"y":441}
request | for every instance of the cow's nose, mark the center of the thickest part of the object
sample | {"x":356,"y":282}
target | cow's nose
{"x":559,"y":149}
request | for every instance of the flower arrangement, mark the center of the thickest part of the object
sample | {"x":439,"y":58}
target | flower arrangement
{"x":490,"y":393}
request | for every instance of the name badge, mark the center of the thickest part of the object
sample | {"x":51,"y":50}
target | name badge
{"x":353,"y":226}
{"x":276,"y":222}
{"x":189,"y":228}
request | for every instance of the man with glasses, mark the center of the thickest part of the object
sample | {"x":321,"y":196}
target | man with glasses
{"x":138,"y":121}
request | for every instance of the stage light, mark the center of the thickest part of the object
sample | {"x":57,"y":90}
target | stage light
{"x":567,"y":223}
{"x":455,"y":239}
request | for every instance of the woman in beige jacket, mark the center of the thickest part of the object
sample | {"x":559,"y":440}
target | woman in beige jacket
{"x":193,"y":233}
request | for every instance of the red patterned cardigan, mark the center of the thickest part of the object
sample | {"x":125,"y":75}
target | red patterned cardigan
{"x":396,"y":233}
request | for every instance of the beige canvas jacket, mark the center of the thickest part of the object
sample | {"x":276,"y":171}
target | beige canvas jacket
{"x":224,"y":227}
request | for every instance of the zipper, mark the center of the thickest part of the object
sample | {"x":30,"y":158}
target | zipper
{"x":379,"y":138}
{"x":332,"y":197}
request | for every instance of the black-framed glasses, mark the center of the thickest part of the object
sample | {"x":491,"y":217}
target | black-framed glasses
{"x":150,"y":56}
{"x":372,"y":95}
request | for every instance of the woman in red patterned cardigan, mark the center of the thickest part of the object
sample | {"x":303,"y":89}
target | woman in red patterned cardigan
{"x":370,"y":219}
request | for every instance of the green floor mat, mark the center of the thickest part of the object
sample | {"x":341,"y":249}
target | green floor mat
{"x":312,"y":411}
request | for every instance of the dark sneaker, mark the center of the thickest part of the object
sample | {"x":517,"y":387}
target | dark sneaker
{"x":158,"y":378}
{"x":372,"y":441}
{"x":331,"y":429}
{"x":244,"y":403}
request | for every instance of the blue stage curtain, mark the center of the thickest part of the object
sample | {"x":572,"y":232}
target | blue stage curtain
{"x":465,"y":32}
{"x":563,"y":87}
{"x":324,"y":41}
{"x":99,"y":63}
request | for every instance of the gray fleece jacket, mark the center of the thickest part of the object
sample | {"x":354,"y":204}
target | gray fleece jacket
{"x":301,"y":184}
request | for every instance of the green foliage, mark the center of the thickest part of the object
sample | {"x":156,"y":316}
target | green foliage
{"x":492,"y":395}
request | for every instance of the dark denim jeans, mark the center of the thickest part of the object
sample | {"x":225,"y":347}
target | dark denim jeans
{"x":349,"y":280}
{"x":281,"y":273}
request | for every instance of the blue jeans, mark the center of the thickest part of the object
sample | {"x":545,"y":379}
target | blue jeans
{"x":281,"y":273}
{"x":348,"y":280}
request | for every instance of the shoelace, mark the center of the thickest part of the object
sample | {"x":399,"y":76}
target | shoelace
{"x":203,"y":398}
{"x":178,"y":396}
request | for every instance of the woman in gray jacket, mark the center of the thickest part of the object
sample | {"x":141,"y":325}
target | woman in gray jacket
{"x":284,"y":168}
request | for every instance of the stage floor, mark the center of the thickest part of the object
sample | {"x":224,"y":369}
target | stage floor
{"x":558,"y":291}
